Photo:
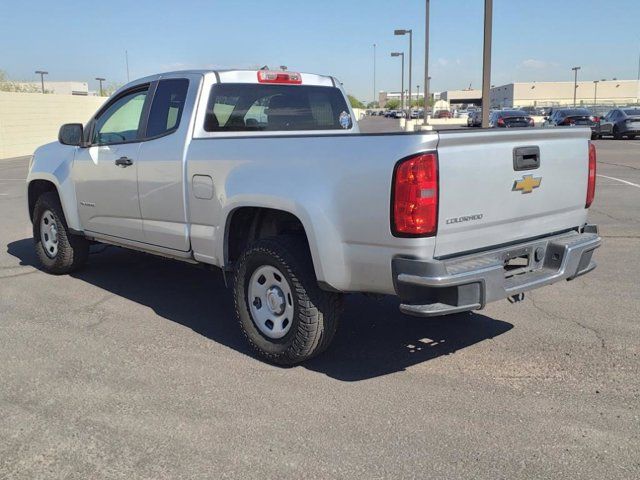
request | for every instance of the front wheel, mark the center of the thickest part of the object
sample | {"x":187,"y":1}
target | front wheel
{"x":57,"y":249}
{"x":281,"y":310}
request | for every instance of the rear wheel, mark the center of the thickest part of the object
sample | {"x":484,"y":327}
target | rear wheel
{"x":281,"y":310}
{"x":58,"y":250}
{"x":616,"y":133}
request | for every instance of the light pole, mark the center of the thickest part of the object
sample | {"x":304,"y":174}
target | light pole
{"x":42,"y":73}
{"x":418,"y":94}
{"x":595,"y":92}
{"x":426,"y":62}
{"x":486,"y":62}
{"x":575,"y":84}
{"x":374,"y":73}
{"x":400,"y":54}
{"x":410,"y":33}
{"x":100,"y":79}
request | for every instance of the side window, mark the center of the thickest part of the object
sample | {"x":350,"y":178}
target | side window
{"x":121,"y":120}
{"x":167,"y":106}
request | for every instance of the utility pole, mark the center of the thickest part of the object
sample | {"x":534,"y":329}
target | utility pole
{"x":42,"y":73}
{"x":401,"y":54}
{"x":575,"y":84}
{"x":426,"y":63}
{"x":100,"y":79}
{"x":595,"y":92}
{"x":486,"y":62}
{"x":417,"y":94}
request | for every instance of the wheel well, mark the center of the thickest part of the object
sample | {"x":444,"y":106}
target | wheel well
{"x":248,"y":224}
{"x":37,"y":188}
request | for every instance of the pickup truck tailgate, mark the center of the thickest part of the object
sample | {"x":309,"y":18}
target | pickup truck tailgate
{"x":494,"y":191}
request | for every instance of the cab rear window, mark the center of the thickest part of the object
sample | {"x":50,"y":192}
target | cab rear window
{"x":235,"y":107}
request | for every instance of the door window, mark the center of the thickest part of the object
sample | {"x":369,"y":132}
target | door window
{"x":120,"y":122}
{"x":167,"y":106}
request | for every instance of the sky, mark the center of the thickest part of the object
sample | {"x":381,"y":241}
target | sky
{"x":532,"y":40}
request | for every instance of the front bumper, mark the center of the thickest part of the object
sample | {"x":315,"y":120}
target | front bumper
{"x":442,"y":287}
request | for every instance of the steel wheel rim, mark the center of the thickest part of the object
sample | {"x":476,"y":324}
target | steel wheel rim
{"x":270,"y":302}
{"x":49,"y":234}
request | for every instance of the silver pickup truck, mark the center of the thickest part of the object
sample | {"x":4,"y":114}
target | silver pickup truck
{"x":265,"y":175}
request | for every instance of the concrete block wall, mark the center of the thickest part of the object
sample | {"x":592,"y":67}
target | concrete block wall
{"x":28,"y":120}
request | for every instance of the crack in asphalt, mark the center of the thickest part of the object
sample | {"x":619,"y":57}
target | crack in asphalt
{"x":595,"y":332}
{"x":619,"y":165}
{"x":607,"y":215}
{"x":21,"y":274}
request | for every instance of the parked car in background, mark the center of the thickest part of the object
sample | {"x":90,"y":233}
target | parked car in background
{"x":462,"y":113}
{"x":572,"y":117}
{"x":443,"y":114}
{"x":398,"y":114}
{"x":390,"y":113}
{"x":475,"y":119}
{"x":620,"y":122}
{"x":417,"y":113}
{"x":510,"y":119}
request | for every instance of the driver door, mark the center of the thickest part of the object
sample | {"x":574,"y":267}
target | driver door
{"x":105,"y":173}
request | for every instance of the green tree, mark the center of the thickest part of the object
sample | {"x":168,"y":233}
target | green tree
{"x":372,"y":105}
{"x":355,"y":103}
{"x":109,"y":89}
{"x":393,"y":104}
{"x":7,"y":85}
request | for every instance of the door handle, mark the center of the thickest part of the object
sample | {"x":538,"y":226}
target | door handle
{"x":124,"y":162}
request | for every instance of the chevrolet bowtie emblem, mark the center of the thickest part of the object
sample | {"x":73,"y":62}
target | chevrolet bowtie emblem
{"x":527,"y":184}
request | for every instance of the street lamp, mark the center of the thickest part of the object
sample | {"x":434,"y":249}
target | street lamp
{"x":42,"y":73}
{"x":417,"y":93}
{"x":575,"y":84}
{"x":410,"y":33}
{"x":374,"y":73}
{"x":595,"y":92}
{"x":400,"y":54}
{"x":100,"y":79}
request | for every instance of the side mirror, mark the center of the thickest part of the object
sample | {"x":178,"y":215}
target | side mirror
{"x":71,"y":134}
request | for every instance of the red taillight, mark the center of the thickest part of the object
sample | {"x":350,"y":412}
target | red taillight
{"x":567,"y":121}
{"x":501,"y":122}
{"x":591,"y":184}
{"x":415,"y":196}
{"x":531,"y":122}
{"x":267,"y":76}
{"x":595,"y":119}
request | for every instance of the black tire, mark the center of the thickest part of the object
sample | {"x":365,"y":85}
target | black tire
{"x":315,"y":311}
{"x":72,"y":250}
{"x":616,"y":134}
{"x":631,"y":137}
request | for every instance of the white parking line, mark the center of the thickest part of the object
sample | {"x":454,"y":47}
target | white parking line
{"x":620,"y":180}
{"x":12,"y":179}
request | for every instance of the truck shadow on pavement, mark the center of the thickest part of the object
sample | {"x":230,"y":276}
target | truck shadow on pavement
{"x":373,"y":339}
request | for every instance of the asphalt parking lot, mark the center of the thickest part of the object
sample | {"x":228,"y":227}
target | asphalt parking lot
{"x":134,"y":368}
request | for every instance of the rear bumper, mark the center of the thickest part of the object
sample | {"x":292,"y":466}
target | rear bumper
{"x":442,"y":287}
